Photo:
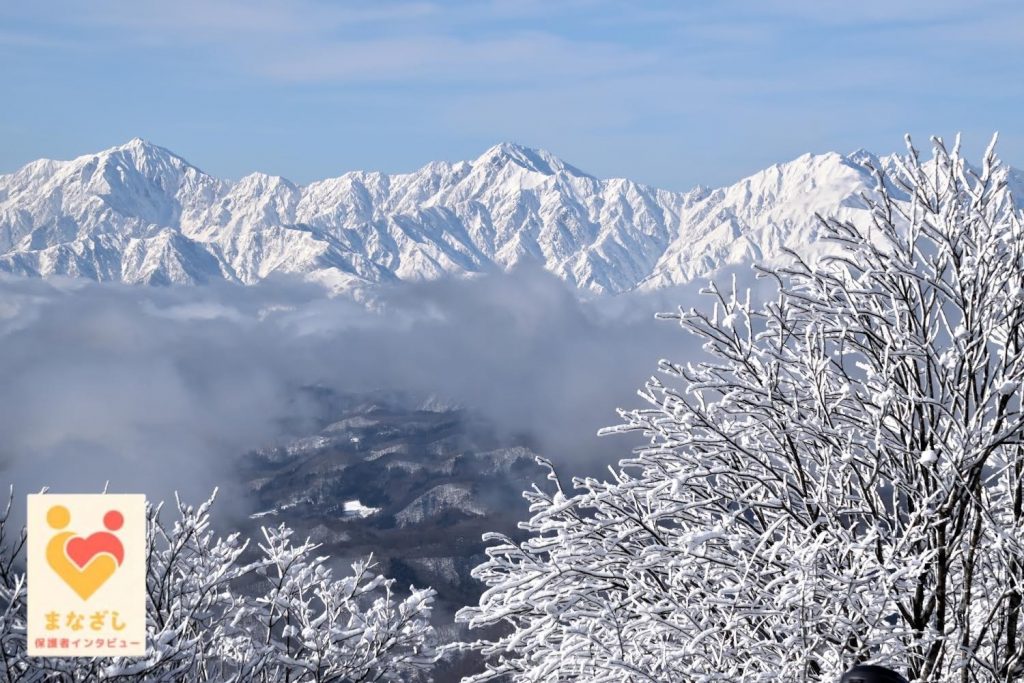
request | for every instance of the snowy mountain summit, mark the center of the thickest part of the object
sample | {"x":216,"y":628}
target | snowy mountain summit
{"x":138,"y":213}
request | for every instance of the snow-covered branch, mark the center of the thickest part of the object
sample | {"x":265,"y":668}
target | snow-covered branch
{"x":211,"y":616}
{"x":840,"y":481}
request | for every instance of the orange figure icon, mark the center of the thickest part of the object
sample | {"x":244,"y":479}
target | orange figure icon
{"x":86,"y":563}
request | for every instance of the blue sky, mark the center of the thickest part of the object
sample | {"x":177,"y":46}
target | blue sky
{"x":668,"y":93}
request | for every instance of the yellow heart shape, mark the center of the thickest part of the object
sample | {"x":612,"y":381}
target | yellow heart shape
{"x":85,"y":580}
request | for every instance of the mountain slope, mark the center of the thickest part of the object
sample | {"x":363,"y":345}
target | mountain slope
{"x":138,"y":213}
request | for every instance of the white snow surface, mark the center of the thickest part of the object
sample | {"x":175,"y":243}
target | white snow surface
{"x":354,"y":508}
{"x":138,"y":213}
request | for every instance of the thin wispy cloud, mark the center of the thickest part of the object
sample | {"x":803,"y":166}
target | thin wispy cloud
{"x":353,"y":42}
{"x":508,"y":59}
{"x":326,"y":87}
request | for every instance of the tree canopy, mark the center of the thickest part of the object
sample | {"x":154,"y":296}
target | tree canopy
{"x":837,"y":481}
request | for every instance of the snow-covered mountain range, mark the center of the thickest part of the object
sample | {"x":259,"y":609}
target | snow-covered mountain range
{"x":138,"y":213}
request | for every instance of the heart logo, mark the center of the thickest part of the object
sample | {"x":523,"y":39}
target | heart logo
{"x":81,"y":550}
{"x":86,"y":563}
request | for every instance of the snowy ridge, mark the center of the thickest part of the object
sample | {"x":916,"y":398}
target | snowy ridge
{"x":438,"y":500}
{"x":138,"y":213}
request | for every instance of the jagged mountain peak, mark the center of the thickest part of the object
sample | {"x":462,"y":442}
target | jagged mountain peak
{"x":137,"y":144}
{"x":861,"y":153}
{"x":140,"y":213}
{"x":258,"y":179}
{"x":528,"y":158}
{"x":141,"y":154}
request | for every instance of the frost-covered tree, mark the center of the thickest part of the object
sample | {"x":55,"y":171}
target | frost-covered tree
{"x":213,"y":615}
{"x":840,"y":481}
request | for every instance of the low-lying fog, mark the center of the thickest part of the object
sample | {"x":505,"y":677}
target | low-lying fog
{"x":154,"y":389}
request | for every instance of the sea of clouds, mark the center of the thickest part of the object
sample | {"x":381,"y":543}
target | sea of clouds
{"x":159,"y":389}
